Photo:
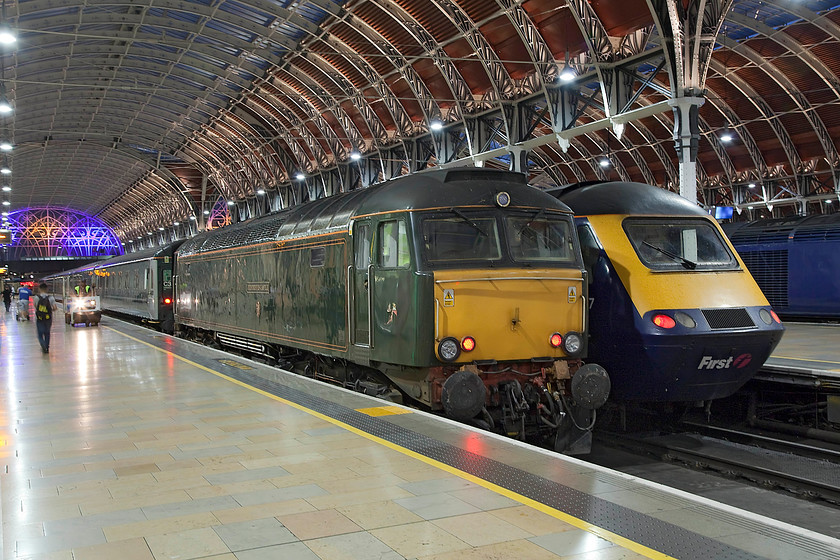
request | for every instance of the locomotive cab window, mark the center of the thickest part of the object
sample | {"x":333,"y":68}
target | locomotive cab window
{"x":679,"y":244}
{"x":393,"y":245}
{"x":540,"y":238}
{"x":461,"y":237}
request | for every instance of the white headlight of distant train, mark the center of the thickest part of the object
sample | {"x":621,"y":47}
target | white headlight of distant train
{"x":449,"y":349}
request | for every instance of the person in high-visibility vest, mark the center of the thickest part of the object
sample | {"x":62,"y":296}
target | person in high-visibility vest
{"x":83,"y":288}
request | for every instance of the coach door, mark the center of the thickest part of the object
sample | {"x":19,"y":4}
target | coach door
{"x":361,"y":293}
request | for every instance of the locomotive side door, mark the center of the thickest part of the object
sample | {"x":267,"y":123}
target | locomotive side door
{"x":360,"y":294}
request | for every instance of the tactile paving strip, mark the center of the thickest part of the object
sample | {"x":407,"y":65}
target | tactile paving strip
{"x":643,"y":529}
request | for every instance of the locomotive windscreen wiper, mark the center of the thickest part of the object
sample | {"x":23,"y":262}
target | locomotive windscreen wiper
{"x":690,"y":265}
{"x":467,"y":219}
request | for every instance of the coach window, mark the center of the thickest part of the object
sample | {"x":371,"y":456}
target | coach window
{"x":393,"y":245}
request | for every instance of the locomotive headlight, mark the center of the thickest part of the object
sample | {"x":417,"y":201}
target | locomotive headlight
{"x":766,"y":317}
{"x":449,"y":349}
{"x":685,"y":319}
{"x":572,"y":344}
{"x":91,"y":303}
{"x":555,"y":340}
{"x":468,"y":344}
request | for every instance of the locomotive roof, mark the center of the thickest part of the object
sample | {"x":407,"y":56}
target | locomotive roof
{"x":626,"y":198}
{"x":469,"y":186}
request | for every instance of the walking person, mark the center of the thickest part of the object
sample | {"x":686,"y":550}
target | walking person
{"x":7,"y":297}
{"x":23,"y":302}
{"x":44,"y":309}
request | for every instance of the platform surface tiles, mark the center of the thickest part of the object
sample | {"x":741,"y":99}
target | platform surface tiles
{"x":808,"y":349}
{"x":125,"y":444}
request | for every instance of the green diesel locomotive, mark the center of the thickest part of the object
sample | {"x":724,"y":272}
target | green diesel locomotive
{"x":460,"y":290}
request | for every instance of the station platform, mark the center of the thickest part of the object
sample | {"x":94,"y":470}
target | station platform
{"x":811,"y":349}
{"x":123,"y":443}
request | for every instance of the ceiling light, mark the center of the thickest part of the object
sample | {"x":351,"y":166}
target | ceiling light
{"x":207,"y":212}
{"x":6,"y":147}
{"x":567,"y":74}
{"x":751,"y":185}
{"x":231,"y":203}
{"x":7,"y":36}
{"x":176,"y":223}
{"x":355,"y":156}
{"x":5,"y":214}
{"x":726,"y":135}
{"x":749,"y":207}
{"x":5,"y":106}
{"x":148,"y":233}
{"x":260,"y":191}
{"x":604,"y":162}
{"x":6,"y":203}
{"x":6,"y":188}
{"x":5,"y":170}
{"x":435,"y":125}
{"x":300,"y":176}
{"x":192,"y":218}
{"x":160,"y":229}
{"x":828,"y":201}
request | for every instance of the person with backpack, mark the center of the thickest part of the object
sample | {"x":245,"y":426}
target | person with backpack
{"x":44,"y":309}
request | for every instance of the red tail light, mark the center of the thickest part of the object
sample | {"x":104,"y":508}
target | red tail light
{"x":555,"y":340}
{"x":167,"y":300}
{"x":775,"y":317}
{"x":468,"y":344}
{"x":664,"y":321}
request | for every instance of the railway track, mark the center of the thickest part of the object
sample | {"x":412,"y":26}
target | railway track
{"x":806,"y":469}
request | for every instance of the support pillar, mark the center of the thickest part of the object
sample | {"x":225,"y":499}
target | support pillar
{"x":686,"y":142}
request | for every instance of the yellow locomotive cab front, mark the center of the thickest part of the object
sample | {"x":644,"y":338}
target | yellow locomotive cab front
{"x":509,"y":314}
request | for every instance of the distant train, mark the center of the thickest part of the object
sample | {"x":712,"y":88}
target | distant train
{"x":675,"y":315}
{"x":137,"y":285}
{"x":796,"y":262}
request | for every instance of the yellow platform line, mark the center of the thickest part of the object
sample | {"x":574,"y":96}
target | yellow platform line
{"x":803,"y":359}
{"x":563,"y":516}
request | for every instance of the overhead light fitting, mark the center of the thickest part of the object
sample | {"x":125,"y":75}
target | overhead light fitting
{"x":6,"y":188}
{"x":5,"y":106}
{"x":300,"y":176}
{"x":828,"y":201}
{"x":6,"y":203}
{"x":192,"y":218}
{"x":604,"y":161}
{"x":567,"y":74}
{"x":6,"y":170}
{"x":727,"y":135}
{"x":207,"y":212}
{"x":355,"y":156}
{"x":6,"y":147}
{"x":7,"y":36}
{"x":260,"y":191}
{"x":435,"y":125}
{"x":231,"y":203}
{"x":751,"y":185}
{"x":176,"y":223}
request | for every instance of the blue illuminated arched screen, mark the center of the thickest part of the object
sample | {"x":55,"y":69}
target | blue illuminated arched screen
{"x":59,"y":232}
